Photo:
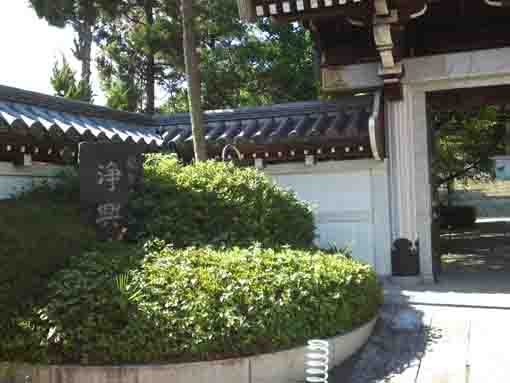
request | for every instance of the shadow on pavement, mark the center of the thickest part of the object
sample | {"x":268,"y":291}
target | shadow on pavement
{"x":396,"y":347}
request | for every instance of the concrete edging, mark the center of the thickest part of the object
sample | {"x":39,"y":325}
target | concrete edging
{"x":283,"y":367}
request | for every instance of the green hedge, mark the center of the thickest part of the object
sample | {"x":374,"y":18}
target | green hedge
{"x":38,"y":232}
{"x":197,"y":304}
{"x":69,"y":298}
{"x":216,"y":203}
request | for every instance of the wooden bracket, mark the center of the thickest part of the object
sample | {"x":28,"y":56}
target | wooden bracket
{"x":381,"y":7}
{"x":391,"y":71}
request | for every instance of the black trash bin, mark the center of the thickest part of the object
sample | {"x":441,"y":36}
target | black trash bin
{"x":405,"y":259}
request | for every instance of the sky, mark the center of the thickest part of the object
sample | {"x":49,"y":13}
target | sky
{"x":29,"y":48}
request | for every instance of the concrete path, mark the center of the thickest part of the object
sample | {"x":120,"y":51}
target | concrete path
{"x":463,"y":331}
{"x":452,"y":345}
{"x":470,"y":346}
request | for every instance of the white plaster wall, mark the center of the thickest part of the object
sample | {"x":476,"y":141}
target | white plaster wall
{"x":14,"y":179}
{"x":350,"y":203}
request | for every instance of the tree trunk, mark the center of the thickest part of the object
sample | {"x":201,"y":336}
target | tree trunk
{"x":150,"y":69}
{"x":86,"y":70}
{"x":193,"y":79}
{"x":132,"y":96}
{"x":83,"y":47}
{"x":83,"y":50}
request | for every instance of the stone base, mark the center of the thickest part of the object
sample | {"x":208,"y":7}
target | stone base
{"x":406,"y":282}
{"x":285,"y":367}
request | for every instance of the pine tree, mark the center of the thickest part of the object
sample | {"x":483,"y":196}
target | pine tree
{"x":63,"y":81}
{"x":131,"y":43}
{"x":120,"y":68}
{"x":82,"y":16}
{"x":118,"y":96}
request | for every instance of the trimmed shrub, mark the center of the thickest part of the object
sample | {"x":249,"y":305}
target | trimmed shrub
{"x":70,"y":298}
{"x":38,"y":232}
{"x":216,"y":203}
{"x":199,"y":304}
{"x":457,"y":216}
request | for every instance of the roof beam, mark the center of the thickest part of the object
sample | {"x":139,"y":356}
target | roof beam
{"x":283,"y":9}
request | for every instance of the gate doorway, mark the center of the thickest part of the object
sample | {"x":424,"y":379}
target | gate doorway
{"x":471,"y":208}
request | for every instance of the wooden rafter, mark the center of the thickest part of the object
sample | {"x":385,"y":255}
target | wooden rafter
{"x":285,"y":9}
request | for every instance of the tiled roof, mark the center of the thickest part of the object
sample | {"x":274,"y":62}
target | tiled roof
{"x":348,"y":122}
{"x":349,"y":127}
{"x":39,"y":114}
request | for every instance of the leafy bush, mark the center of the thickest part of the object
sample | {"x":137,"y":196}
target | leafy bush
{"x":215,"y":203}
{"x":72,"y":295}
{"x":38,"y":232}
{"x":198,"y":304}
{"x":66,"y":298}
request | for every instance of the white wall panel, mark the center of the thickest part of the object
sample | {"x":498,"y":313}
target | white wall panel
{"x":14,"y":179}
{"x":350,"y":202}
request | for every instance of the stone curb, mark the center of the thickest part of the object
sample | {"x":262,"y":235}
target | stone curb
{"x":282,"y":367}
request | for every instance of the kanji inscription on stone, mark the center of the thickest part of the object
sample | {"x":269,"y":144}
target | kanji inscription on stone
{"x":108,"y":213}
{"x":108,"y":173}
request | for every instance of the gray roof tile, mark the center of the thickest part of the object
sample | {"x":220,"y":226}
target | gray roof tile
{"x":46,"y":115}
{"x":279,"y":124}
{"x":313,"y":124}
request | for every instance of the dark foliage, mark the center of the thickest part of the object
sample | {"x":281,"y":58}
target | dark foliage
{"x":215,"y":203}
{"x":457,"y":216}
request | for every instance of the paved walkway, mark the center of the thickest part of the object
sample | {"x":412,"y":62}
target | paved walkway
{"x":462,"y":332}
{"x":452,"y":345}
{"x":470,"y":345}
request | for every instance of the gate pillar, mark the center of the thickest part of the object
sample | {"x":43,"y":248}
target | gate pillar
{"x":408,"y":148}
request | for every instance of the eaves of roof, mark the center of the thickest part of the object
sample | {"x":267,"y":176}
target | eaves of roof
{"x":347,"y":123}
